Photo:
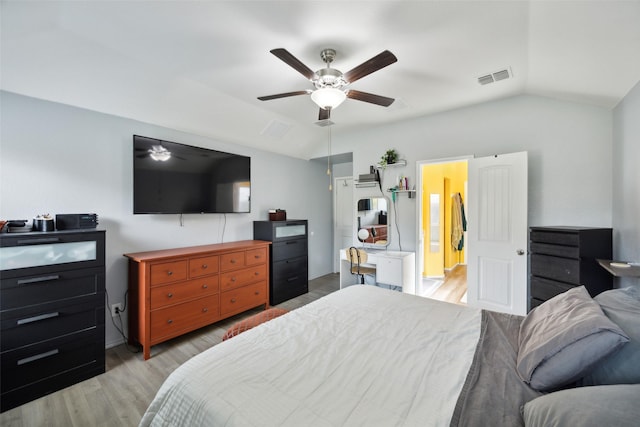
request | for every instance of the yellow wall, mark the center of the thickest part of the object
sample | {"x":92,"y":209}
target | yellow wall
{"x":445,"y":179}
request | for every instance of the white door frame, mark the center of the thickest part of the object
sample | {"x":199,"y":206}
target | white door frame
{"x":419,"y":219}
{"x":337,"y":187}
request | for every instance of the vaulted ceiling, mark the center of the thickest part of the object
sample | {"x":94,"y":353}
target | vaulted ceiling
{"x":199,"y":66}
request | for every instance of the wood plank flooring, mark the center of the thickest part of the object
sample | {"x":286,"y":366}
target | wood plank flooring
{"x":120,"y":396}
{"x":454,"y":286}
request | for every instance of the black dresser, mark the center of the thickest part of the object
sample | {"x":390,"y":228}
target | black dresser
{"x":289,"y":271}
{"x":565,"y":257}
{"x":52,"y":312}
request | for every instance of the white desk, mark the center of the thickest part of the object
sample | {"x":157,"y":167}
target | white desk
{"x":393,"y":268}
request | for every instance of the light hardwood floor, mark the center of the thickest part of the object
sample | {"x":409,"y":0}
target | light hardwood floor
{"x":454,"y":286}
{"x":120,"y":396}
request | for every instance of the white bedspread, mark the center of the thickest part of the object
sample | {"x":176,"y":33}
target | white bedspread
{"x":360,"y":356}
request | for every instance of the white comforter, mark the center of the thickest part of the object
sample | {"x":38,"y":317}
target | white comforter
{"x":360,"y":356}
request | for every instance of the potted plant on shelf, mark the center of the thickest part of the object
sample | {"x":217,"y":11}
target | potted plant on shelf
{"x":388,"y":158}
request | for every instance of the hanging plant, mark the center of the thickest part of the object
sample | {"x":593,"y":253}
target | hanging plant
{"x":388,"y":158}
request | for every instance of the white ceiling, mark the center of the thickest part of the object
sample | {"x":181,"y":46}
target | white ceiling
{"x":198,"y":66}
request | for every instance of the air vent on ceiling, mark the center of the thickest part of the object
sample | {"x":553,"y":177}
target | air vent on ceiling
{"x":495,"y":77}
{"x":276,"y":129}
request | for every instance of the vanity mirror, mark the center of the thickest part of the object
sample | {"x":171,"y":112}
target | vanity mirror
{"x":371,"y":215}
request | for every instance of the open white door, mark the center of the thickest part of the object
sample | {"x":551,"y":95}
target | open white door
{"x":497,"y":233}
{"x":342,"y":217}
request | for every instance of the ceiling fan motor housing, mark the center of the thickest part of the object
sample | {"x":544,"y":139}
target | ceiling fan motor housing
{"x":329,"y":77}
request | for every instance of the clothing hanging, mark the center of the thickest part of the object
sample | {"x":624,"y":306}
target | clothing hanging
{"x":458,"y":222}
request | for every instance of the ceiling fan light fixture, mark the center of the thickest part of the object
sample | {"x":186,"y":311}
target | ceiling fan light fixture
{"x":328,"y":98}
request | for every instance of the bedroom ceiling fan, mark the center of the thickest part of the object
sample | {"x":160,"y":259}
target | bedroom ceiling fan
{"x":331,"y":85}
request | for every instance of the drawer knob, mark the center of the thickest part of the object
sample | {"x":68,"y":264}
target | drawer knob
{"x":257,"y":273}
{"x":233,"y":261}
{"x":258,"y":256}
{"x":169,"y":295}
{"x":233,"y":279}
{"x":257,"y":292}
{"x":170,"y":273}
{"x":170,"y":321}
{"x":204,"y":266}
{"x":204,"y":310}
{"x":233,"y":300}
{"x":205,"y":286}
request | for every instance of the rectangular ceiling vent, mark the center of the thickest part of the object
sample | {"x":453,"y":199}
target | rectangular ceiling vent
{"x":276,"y":129}
{"x":495,"y":77}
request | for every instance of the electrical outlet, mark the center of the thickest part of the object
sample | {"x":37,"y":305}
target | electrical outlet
{"x":116,"y":308}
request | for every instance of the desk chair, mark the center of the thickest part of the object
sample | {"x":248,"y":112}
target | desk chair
{"x":356,"y":258}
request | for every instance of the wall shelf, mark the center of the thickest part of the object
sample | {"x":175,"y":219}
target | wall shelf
{"x":398,"y":163}
{"x":363,"y":184}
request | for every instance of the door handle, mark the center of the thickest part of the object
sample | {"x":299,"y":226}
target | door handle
{"x":520,"y":252}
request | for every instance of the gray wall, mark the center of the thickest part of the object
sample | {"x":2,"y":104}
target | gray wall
{"x":569,"y":146}
{"x":60,"y":159}
{"x":626,"y":180}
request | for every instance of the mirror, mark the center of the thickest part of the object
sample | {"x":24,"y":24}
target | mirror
{"x":371,"y":215}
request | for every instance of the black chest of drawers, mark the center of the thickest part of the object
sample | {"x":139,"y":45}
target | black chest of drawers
{"x":289,"y":271}
{"x":565,"y":257}
{"x":52,"y":312}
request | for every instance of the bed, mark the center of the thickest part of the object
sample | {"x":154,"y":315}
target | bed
{"x":366,"y":356}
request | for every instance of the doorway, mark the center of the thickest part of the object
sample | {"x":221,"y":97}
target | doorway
{"x":342,"y":217}
{"x":441,"y":251}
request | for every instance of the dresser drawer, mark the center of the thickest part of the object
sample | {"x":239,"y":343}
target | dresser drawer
{"x":555,"y":237}
{"x":30,"y":364}
{"x":168,"y":272}
{"x":243,"y":298}
{"x":289,"y":287}
{"x":256,"y":256}
{"x":232,"y":261}
{"x":175,"y":293}
{"x":203,"y":266}
{"x":237,"y":278}
{"x":36,"y":324}
{"x":289,"y":249}
{"x":562,"y":269}
{"x":175,"y":319}
{"x":283,"y":270}
{"x":555,"y":250}
{"x":37,"y":289}
{"x":544,"y":289}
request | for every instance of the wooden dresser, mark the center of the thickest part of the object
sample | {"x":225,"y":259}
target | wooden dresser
{"x":175,"y":291}
{"x":565,"y":257}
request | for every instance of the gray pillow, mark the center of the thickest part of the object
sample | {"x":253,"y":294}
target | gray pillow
{"x":610,"y":405}
{"x":563,"y":338}
{"x":622,"y":306}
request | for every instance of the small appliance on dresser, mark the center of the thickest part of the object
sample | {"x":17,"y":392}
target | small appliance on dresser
{"x":289,"y":272}
{"x":52,"y":312}
{"x":565,"y":257}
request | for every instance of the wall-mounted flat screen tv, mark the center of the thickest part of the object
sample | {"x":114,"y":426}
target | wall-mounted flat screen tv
{"x":173,"y":178}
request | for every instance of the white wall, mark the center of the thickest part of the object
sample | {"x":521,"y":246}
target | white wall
{"x":626,"y":180}
{"x":60,"y":159}
{"x":569,"y":146}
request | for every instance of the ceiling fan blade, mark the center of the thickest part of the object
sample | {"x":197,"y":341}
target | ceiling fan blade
{"x":293,"y":62}
{"x":374,"y":64}
{"x":284,"y":95}
{"x":369,"y":97}
{"x":324,"y":114}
